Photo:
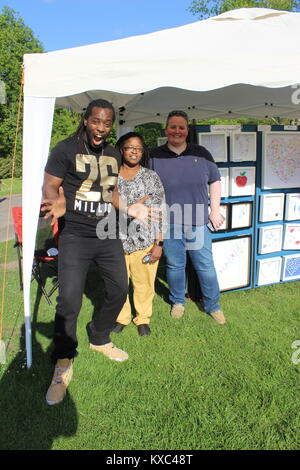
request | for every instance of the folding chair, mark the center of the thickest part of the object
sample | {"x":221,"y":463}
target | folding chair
{"x":45,"y":253}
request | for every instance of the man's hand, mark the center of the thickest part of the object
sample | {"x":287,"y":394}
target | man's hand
{"x":145,"y":214}
{"x":55,"y":208}
{"x":216,"y":219}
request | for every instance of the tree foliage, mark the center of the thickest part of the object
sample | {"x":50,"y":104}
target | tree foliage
{"x":204,"y":9}
{"x":16,"y":39}
{"x":150,"y":132}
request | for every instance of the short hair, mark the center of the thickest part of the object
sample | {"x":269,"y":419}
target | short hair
{"x":145,"y":158}
{"x":179,"y":113}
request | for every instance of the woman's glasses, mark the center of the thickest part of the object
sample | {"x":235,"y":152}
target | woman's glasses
{"x":133,"y":149}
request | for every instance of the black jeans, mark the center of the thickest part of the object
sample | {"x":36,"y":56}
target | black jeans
{"x":74,"y":259}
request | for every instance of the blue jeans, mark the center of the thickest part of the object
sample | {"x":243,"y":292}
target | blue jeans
{"x":197,"y":241}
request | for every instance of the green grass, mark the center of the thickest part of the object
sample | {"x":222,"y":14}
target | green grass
{"x":5,"y":186}
{"x":11,"y":251}
{"x":191,"y":385}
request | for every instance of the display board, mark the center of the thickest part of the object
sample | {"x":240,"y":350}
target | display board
{"x":260,"y":189}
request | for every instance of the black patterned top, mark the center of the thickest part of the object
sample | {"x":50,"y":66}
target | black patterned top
{"x":134,"y":234}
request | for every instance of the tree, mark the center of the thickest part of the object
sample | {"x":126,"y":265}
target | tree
{"x":204,"y":9}
{"x":16,"y":39}
{"x":150,"y":132}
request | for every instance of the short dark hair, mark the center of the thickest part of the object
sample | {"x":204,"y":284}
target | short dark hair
{"x":180,"y":113}
{"x":145,"y":158}
{"x":99,"y":103}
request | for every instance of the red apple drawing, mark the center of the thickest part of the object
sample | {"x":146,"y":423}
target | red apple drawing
{"x":241,"y":180}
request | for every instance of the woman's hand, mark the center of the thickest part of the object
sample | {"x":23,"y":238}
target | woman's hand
{"x":155,"y":254}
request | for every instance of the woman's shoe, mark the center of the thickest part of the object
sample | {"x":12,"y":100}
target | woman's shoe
{"x":144,"y":330}
{"x":118,"y":328}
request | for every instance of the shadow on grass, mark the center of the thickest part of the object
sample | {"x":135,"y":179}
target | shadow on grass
{"x":193,"y":290}
{"x":27,"y":422}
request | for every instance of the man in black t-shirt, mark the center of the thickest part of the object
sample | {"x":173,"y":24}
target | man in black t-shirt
{"x":80,"y":176}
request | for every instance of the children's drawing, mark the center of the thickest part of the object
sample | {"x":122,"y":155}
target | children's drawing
{"x":291,"y":237}
{"x":224,"y":172}
{"x":281,"y":160}
{"x":243,"y":146}
{"x":271,"y":207}
{"x":270,"y":239}
{"x":268,"y":270}
{"x":292,"y":206}
{"x":232,"y":262}
{"x":241,"y":215}
{"x":242,"y":181}
{"x":291,"y":267}
{"x":215,"y":143}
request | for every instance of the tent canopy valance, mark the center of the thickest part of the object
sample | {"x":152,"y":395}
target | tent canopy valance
{"x":227,"y":66}
{"x":241,"y":63}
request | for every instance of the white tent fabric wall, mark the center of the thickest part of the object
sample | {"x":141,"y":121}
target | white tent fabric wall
{"x":38,"y":116}
{"x":241,"y":63}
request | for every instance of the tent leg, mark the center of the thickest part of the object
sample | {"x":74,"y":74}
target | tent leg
{"x":28,"y":342}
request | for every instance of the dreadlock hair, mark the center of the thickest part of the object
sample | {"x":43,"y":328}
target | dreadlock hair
{"x":100,"y":103}
{"x":145,"y":158}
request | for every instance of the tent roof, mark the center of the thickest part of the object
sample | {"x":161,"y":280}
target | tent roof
{"x":240,"y":63}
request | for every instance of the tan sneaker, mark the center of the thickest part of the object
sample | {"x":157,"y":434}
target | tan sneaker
{"x":177,"y":311}
{"x":109,"y":350}
{"x":218,"y":316}
{"x":61,"y":378}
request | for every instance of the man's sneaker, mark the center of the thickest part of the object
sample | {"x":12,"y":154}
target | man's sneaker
{"x":177,"y":311}
{"x":218,"y":316}
{"x":61,"y":378}
{"x":109,"y":350}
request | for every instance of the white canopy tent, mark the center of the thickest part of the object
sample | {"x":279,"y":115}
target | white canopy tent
{"x":242,"y":63}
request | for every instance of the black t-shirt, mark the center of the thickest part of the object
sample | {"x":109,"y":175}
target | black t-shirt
{"x":89,"y":179}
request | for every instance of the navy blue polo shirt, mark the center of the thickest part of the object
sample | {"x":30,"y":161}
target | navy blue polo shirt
{"x":186,"y":178}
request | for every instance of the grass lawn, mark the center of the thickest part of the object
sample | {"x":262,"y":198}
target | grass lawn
{"x":191,"y":385}
{"x":5,"y":186}
{"x":11,"y":252}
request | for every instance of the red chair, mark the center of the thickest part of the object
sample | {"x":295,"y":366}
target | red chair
{"x":45,"y":253}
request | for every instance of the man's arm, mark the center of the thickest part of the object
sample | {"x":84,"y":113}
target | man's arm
{"x":215,"y":199}
{"x":137,"y":210}
{"x":54,"y":202}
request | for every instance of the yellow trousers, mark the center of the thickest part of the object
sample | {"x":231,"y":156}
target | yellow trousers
{"x":143,"y":278}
